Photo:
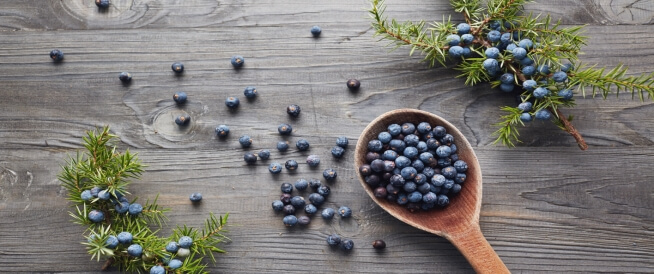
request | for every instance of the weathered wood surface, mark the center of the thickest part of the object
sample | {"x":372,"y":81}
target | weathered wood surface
{"x":547,"y":207}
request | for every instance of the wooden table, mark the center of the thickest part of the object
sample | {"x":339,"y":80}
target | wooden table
{"x":547,"y":206}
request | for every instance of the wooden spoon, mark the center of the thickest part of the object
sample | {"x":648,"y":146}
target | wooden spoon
{"x":459,"y":221}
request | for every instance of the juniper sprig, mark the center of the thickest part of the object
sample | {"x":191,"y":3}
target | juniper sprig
{"x":550,"y":61}
{"x":101,"y":169}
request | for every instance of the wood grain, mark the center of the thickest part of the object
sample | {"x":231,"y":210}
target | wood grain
{"x":547,"y":207}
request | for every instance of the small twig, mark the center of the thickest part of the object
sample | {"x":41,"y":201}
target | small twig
{"x":569,"y":128}
{"x":108,"y":263}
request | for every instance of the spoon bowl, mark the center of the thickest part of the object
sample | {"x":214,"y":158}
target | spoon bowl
{"x":459,"y":221}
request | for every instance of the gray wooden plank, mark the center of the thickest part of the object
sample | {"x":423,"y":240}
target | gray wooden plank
{"x":547,"y":207}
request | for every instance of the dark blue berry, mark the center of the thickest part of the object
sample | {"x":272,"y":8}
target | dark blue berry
{"x":353,"y":84}
{"x":290,"y":220}
{"x":410,"y":152}
{"x":293,"y":110}
{"x":408,"y":173}
{"x":467,"y":39}
{"x":462,"y":28}
{"x":567,"y":67}
{"x":135,"y":250}
{"x":449,"y":172}
{"x":333,"y":240}
{"x":414,"y":197}
{"x":327,"y":213}
{"x":519,"y":53}
{"x":544,"y":69}
{"x":346,"y":245}
{"x":447,"y":140}
{"x":316,"y":31}
{"x":375,"y":145}
{"x":342,"y":141}
{"x":103,"y":4}
{"x":453,"y":40}
{"x":275,"y":168}
{"x":566,"y":94}
{"x":439,"y":131}
{"x":427,"y":158}
{"x":232,"y":102}
{"x":288,"y":209}
{"x":285,"y":198}
{"x":56,"y":55}
{"x":337,"y":151}
{"x":525,"y":106}
{"x":443,"y":151}
{"x":422,"y":147}
{"x":397,"y":145}
{"x":195,"y":197}
{"x":222,"y":130}
{"x":429,"y":198}
{"x":324,"y":191}
{"x":526,"y":44}
{"x":125,"y":77}
{"x":560,"y":76}
{"x":460,"y":178}
{"x":371,"y":156}
{"x":543,"y":114}
{"x":282,"y":146}
{"x":461,"y":166}
{"x":316,"y":199}
{"x":298,"y":202}
{"x":180,"y":97}
{"x":402,"y":199}
{"x":365,"y":170}
{"x":411,"y":140}
{"x":389,"y":155}
{"x":494,"y":36}
{"x":310,"y":209}
{"x":408,"y":128}
{"x":345,"y":212}
{"x":314,"y":183}
{"x":301,"y":184}
{"x":237,"y":61}
{"x":177,"y":67}
{"x":438,"y":180}
{"x":329,"y":174}
{"x":507,"y":78}
{"x":245,"y":141}
{"x":96,"y":216}
{"x":291,"y":165}
{"x":277,"y":205}
{"x":410,"y":186}
{"x":135,"y":209}
{"x":182,"y":120}
{"x":86,"y":195}
{"x":380,"y":192}
{"x":264,"y":154}
{"x":402,"y":162}
{"x":285,"y":129}
{"x":455,"y":51}
{"x":250,"y":158}
{"x":250,"y":92}
{"x":397,"y":180}
{"x":304,"y":220}
{"x":313,"y":160}
{"x":442,"y":200}
{"x":302,"y":145}
{"x":492,"y":52}
{"x":525,"y":117}
{"x":394,"y":129}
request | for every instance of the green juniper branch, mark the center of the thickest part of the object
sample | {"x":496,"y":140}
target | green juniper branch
{"x":101,"y":168}
{"x":550,"y":64}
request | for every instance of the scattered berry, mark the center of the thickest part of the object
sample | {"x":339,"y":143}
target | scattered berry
{"x":275,"y":168}
{"x":316,"y":199}
{"x":232,"y":102}
{"x":250,"y":92}
{"x":315,"y":31}
{"x":195,"y":197}
{"x":286,"y":188}
{"x":379,"y":244}
{"x":328,"y":213}
{"x":324,"y":191}
{"x":56,"y":55}
{"x":103,"y":4}
{"x":288,"y":210}
{"x":310,"y":209}
{"x":245,"y":141}
{"x":290,"y":220}
{"x":222,"y":130}
{"x":177,"y":67}
{"x":285,"y":129}
{"x":86,"y":195}
{"x":104,"y":195}
{"x":125,"y":77}
{"x":301,"y":184}
{"x":282,"y":146}
{"x":298,"y":202}
{"x":329,"y":174}
{"x":291,"y":165}
{"x":182,"y":120}
{"x":304,"y":220}
{"x":293,"y":110}
{"x":277,"y":205}
{"x":250,"y":158}
{"x":314,"y":183}
{"x":346,"y":245}
{"x":264,"y":154}
{"x":345,"y":212}
{"x":333,"y":240}
{"x":313,"y":160}
{"x":157,"y":269}
{"x":302,"y":145}
{"x":237,"y":61}
{"x":353,"y":84}
{"x":179,"y":97}
{"x":337,"y":151}
{"x":543,"y":114}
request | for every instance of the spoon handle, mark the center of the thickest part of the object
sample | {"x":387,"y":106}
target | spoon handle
{"x":478,"y":251}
